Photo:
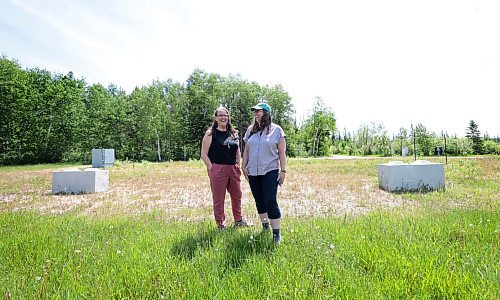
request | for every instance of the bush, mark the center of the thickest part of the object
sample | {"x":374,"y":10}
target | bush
{"x":491,"y":147}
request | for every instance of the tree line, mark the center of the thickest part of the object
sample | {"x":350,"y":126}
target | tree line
{"x":373,"y":139}
{"x":47,"y":117}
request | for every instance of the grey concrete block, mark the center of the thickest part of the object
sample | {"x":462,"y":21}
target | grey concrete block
{"x":79,"y":182}
{"x":420,"y":175}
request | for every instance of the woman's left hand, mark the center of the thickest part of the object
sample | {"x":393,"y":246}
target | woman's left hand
{"x":281,"y":178}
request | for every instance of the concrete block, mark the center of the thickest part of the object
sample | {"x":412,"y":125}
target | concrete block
{"x":103,"y":158}
{"x":420,"y":175}
{"x":79,"y":182}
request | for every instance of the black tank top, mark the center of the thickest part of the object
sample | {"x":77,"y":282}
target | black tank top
{"x":223,"y":148}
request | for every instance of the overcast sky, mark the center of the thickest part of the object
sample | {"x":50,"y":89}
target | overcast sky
{"x":392,"y":62}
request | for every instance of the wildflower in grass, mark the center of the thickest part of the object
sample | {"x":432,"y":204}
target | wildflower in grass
{"x":38,"y":278}
{"x":332,"y":246}
{"x":118,"y":252}
{"x":78,"y":251}
{"x":470,"y":225}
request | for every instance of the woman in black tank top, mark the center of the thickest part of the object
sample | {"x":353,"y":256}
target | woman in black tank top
{"x":223,"y":147}
{"x":220,"y":151}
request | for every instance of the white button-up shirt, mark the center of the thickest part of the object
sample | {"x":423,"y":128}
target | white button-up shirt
{"x":263,"y":150}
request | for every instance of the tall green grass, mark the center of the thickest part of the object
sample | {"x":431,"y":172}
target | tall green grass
{"x":442,"y":244}
{"x":452,"y":254}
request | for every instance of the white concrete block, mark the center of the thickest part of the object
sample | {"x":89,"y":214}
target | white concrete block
{"x":78,"y":182}
{"x":103,"y":158}
{"x":420,"y":175}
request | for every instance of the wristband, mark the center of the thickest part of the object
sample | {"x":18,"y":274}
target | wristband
{"x":283,"y":171}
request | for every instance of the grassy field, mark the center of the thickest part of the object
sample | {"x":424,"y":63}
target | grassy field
{"x":152,"y":236}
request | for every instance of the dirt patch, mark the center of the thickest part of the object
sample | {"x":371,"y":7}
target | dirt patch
{"x":188,"y":196}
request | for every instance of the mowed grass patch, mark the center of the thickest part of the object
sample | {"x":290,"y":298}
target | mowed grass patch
{"x":314,"y":187}
{"x":181,"y":190}
{"x":452,"y":254}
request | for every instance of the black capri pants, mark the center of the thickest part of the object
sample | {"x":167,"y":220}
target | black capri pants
{"x":264,"y":190}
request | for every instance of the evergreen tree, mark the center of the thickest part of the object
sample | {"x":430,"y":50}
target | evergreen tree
{"x":474,"y":135}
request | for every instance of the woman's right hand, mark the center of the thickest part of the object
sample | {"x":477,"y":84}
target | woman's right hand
{"x":209,"y":169}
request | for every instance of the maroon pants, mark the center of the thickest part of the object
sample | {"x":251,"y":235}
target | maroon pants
{"x":222,"y":178}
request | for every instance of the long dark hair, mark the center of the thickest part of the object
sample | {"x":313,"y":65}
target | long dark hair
{"x":266,"y":123}
{"x":230,"y":128}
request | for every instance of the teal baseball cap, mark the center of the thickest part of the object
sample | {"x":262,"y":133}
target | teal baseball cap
{"x":263,"y":106}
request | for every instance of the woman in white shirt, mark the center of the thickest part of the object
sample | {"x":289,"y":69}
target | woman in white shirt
{"x":264,"y":166}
